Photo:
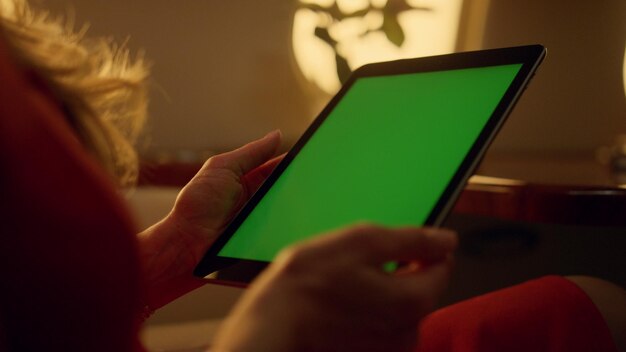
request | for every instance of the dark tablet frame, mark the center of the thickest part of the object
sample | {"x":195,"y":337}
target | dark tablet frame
{"x":239,"y":272}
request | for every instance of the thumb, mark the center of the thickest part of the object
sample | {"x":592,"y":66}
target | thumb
{"x":248,"y":157}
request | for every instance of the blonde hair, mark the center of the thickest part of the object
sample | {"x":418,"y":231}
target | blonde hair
{"x":102,"y":89}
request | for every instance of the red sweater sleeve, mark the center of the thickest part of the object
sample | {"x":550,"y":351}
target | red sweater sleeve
{"x":68,"y":262}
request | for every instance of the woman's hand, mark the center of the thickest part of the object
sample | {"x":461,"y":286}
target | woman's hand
{"x":170,"y":249}
{"x":332,"y":294}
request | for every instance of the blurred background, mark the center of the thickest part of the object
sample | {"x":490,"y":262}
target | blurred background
{"x":227,"y":72}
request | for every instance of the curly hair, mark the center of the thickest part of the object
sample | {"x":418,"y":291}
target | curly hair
{"x":102,"y":89}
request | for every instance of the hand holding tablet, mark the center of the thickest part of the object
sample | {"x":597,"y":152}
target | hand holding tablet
{"x":326,"y":294}
{"x":394,"y":147}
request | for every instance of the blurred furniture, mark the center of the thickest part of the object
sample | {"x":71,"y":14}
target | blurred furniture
{"x":558,"y":189}
{"x":566,"y":189}
{"x":530,"y":217}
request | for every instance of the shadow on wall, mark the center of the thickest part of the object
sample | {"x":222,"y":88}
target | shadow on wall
{"x":224,"y":72}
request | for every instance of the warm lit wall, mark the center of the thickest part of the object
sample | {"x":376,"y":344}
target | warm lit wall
{"x":224,"y":72}
{"x":576,"y":101}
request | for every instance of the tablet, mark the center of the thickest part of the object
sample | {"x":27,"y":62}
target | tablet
{"x":394,"y":147}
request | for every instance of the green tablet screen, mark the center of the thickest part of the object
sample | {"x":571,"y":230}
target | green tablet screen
{"x":385,"y":154}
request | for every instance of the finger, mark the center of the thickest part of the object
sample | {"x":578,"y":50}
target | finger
{"x":248,"y":157}
{"x":266,"y":169}
{"x":377,"y":245}
{"x":253,"y":179}
{"x":410,"y":268}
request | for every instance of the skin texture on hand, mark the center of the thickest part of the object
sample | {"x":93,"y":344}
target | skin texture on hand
{"x":170,"y":249}
{"x":329,"y":293}
{"x":332,"y":293}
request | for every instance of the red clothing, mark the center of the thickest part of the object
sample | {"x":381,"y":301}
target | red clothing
{"x":70,"y":273}
{"x":68,"y":263}
{"x":549,"y":314}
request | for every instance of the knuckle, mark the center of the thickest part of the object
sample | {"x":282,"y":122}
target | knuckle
{"x":215,"y":161}
{"x":215,"y":175}
{"x":364,"y":233}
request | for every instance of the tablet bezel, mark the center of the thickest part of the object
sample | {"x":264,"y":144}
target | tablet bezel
{"x":239,"y":272}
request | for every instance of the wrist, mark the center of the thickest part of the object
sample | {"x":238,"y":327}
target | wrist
{"x":170,"y":241}
{"x":167,"y":259}
{"x":192,"y":238}
{"x":261,"y":321}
